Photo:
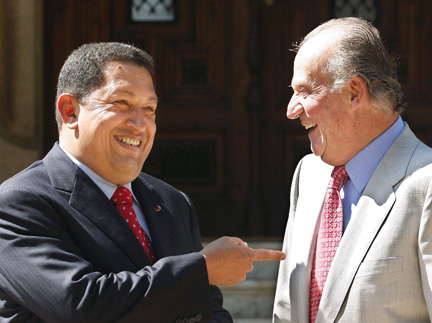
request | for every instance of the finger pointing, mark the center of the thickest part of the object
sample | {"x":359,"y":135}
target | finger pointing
{"x":266,"y":254}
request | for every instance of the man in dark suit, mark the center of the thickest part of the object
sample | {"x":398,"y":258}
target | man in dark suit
{"x":66,"y":253}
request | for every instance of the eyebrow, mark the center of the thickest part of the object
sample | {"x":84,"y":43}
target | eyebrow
{"x":306,"y":83}
{"x":153,"y":98}
{"x":130,"y":93}
{"x":300,"y":86}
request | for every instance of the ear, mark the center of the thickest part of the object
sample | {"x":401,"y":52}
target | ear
{"x":68,"y":108}
{"x":358,"y":90}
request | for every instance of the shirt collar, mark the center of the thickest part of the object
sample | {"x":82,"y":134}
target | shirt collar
{"x":107,"y":188}
{"x":361,"y":167}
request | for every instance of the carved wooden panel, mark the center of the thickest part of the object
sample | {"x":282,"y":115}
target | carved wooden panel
{"x":195,"y":140}
{"x":222,"y":75}
{"x":190,"y":160}
{"x":407,"y":27}
{"x":201,"y":146}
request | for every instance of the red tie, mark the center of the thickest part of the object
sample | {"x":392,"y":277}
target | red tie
{"x":122,"y":199}
{"x":329,"y":236}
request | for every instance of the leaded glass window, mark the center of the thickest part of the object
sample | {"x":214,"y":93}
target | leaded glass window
{"x":153,"y":10}
{"x":366,"y":9}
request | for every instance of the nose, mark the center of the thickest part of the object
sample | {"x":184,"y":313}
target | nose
{"x":137,"y":119}
{"x":294,"y":108}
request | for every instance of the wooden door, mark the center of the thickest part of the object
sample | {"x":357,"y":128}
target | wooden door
{"x":222,"y":73}
{"x":202,"y":142}
{"x":405,"y":26}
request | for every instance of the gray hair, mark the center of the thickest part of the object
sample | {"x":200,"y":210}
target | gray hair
{"x":83,"y":71}
{"x":361,"y":52}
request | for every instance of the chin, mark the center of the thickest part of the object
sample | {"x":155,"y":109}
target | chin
{"x":123,"y":176}
{"x":318,"y":153}
{"x":332,"y":161}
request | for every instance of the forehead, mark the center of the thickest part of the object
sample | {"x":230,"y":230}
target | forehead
{"x":121,"y":75}
{"x":124,"y":70}
{"x":307,"y":73}
{"x":312,"y":56}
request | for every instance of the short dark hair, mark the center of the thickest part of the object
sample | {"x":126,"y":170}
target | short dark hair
{"x":83,"y":71}
{"x":361,"y":52}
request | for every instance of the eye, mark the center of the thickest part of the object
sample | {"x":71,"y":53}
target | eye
{"x":150,"y":108}
{"x":303,"y":92}
{"x":300,"y":93}
{"x":120,"y":102}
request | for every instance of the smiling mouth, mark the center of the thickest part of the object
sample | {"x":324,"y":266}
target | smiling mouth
{"x":311,"y":125}
{"x":128,"y":141}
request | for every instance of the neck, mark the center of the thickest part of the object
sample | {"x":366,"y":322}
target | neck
{"x":373,"y":129}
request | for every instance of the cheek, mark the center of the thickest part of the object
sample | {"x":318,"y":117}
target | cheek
{"x":312,"y":107}
{"x":95,"y":119}
{"x":151,"y":126}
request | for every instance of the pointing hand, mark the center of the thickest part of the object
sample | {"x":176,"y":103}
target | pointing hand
{"x":229,"y":259}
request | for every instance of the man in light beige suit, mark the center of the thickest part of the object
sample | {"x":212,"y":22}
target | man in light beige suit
{"x":347,"y":95}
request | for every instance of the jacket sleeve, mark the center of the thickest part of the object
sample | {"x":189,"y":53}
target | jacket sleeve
{"x":425,"y":249}
{"x":219,"y":313}
{"x":282,"y":304}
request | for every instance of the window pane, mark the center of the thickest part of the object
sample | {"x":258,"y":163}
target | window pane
{"x":366,"y":9}
{"x":152,"y":10}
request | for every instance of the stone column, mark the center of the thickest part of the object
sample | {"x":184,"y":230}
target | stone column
{"x":21,"y":69}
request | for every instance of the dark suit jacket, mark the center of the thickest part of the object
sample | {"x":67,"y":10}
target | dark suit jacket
{"x":67,"y":255}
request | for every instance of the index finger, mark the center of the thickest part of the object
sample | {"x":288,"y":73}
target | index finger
{"x":267,"y":254}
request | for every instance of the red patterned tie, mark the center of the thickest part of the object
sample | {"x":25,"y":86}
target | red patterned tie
{"x":122,"y":199}
{"x":329,"y":236}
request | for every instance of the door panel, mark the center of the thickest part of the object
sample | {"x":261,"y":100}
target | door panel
{"x":222,"y":75}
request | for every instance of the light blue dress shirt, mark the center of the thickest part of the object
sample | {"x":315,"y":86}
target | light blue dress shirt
{"x":108,"y":189}
{"x":361,"y":167}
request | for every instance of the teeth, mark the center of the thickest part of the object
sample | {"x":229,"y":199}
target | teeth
{"x":308,"y":126}
{"x":129,"y":141}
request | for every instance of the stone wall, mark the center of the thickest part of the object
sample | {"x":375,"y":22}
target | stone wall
{"x":251,"y":301}
{"x":21,"y":85}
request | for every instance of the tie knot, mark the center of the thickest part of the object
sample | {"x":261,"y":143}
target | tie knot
{"x":122,"y":195}
{"x":338,"y":178}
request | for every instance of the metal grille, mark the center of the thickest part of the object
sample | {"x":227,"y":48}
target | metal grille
{"x":153,"y":10}
{"x":366,"y":9}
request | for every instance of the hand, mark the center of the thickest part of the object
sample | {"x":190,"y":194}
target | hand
{"x":229,"y":259}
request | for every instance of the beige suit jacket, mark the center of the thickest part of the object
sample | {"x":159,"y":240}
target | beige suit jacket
{"x":382,"y":270}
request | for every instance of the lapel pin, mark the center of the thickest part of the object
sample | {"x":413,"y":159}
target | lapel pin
{"x":157,"y":208}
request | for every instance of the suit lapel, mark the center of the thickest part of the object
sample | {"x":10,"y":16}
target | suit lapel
{"x":367,"y":218}
{"x":312,"y":188}
{"x":89,"y":200}
{"x":156,"y":215}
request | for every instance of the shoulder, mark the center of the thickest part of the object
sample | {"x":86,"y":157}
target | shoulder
{"x":33,"y":176}
{"x":422,"y":155}
{"x":409,"y":153}
{"x":54,"y":170}
{"x":154,"y":183}
{"x":30,"y":196}
{"x":162,"y":188}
